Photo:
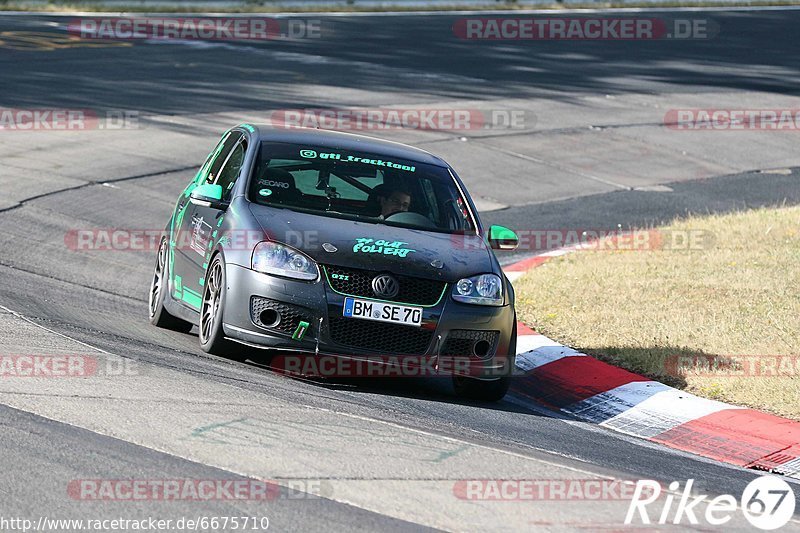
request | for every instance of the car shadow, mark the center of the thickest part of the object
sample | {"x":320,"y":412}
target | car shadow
{"x":671,"y":365}
{"x":436,"y":389}
{"x":529,"y":393}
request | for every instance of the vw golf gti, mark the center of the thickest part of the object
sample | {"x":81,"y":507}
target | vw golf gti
{"x":327,"y":243}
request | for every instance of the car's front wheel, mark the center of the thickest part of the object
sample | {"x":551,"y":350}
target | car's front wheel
{"x":212,"y":337}
{"x":159,"y":316}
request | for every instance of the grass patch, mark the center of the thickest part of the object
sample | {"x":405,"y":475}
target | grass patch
{"x":667,"y":314}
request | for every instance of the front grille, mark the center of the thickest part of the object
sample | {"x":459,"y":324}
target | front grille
{"x":461,"y":341}
{"x":380,"y":337}
{"x":291,"y":315}
{"x":416,"y":291}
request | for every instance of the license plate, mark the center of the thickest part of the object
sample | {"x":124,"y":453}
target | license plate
{"x":382,"y":312}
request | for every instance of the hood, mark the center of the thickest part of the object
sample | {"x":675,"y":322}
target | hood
{"x":349,"y":243}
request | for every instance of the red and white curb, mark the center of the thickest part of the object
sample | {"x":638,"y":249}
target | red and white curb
{"x":599,"y":393}
{"x":515,"y":270}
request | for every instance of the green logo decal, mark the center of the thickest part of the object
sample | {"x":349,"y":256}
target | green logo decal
{"x":265,"y":192}
{"x":371,"y":246}
{"x":311,"y":154}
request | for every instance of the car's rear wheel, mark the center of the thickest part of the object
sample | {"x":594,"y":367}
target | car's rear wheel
{"x":159,"y":316}
{"x":488,"y":391}
{"x":212,"y":337}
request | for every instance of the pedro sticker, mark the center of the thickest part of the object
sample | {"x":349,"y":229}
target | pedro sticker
{"x":371,"y":246}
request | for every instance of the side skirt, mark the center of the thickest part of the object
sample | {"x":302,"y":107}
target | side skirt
{"x":179,"y":310}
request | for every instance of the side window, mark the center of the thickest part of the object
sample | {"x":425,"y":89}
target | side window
{"x":212,"y":157}
{"x":232,"y":167}
{"x":227,"y":146}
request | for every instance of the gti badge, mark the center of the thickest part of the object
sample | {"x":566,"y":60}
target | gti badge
{"x":385,"y":286}
{"x":328,"y":247}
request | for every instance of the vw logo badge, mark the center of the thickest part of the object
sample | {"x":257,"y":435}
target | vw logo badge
{"x":385,"y":286}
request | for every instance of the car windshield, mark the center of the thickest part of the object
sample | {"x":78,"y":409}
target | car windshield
{"x":361,"y":186}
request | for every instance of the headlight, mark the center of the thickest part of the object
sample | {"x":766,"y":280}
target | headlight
{"x":486,"y":289}
{"x":274,"y":258}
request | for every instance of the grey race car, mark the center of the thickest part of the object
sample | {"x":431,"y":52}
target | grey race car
{"x":323,"y":243}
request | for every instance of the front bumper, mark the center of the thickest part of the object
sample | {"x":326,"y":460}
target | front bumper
{"x":459,"y":338}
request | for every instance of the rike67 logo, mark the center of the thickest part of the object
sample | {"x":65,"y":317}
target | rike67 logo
{"x":767,"y":502}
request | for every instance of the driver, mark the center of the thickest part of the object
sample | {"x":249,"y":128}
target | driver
{"x":394,"y":201}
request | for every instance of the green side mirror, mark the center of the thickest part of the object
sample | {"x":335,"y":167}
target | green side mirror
{"x":208,"y":195}
{"x":501,"y":238}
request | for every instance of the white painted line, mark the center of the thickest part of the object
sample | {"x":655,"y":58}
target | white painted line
{"x":606,"y":405}
{"x":791,"y":469}
{"x":383,"y":499}
{"x":663,"y":411}
{"x":514,"y":275}
{"x":527,"y":343}
{"x":559,"y":166}
{"x":28,"y":320}
{"x":534,"y":351}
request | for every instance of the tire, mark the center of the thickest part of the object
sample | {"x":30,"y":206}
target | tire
{"x":212,"y":308}
{"x":487,"y":391}
{"x":159,"y":316}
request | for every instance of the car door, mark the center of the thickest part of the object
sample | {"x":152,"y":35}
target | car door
{"x":203,"y":222}
{"x":182,"y":232}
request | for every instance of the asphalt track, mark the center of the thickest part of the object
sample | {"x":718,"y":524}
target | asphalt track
{"x":594,"y":153}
